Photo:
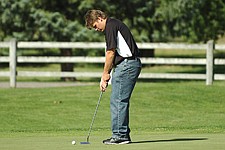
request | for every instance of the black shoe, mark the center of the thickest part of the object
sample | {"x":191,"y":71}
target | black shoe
{"x":113,"y":141}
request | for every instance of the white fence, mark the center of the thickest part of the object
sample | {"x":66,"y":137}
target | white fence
{"x":12,"y":59}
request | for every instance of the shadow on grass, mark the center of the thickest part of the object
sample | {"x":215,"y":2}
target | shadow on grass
{"x":171,"y":140}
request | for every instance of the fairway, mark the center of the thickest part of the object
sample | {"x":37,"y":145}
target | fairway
{"x":185,"y":115}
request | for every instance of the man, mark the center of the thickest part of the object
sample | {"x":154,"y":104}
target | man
{"x":122,"y":57}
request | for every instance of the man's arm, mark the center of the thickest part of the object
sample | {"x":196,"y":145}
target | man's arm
{"x":109,"y":58}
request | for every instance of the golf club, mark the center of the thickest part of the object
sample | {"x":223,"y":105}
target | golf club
{"x":93,"y":119}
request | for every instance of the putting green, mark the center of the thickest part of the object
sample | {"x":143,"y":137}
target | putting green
{"x":154,"y":141}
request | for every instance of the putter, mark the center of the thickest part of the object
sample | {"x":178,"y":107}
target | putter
{"x":93,"y":119}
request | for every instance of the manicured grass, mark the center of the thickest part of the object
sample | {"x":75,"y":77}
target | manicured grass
{"x":141,"y":142}
{"x":166,"y":115}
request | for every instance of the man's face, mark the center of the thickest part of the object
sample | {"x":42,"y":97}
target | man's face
{"x":99,"y":25}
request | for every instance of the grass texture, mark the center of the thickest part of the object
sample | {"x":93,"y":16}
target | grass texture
{"x":164,"y":115}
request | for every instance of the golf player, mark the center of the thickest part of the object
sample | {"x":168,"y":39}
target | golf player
{"x":121,"y":57}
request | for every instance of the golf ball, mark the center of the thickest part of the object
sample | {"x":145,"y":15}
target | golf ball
{"x":73,"y":142}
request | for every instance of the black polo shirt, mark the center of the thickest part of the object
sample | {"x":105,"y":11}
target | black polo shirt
{"x":119,"y":37}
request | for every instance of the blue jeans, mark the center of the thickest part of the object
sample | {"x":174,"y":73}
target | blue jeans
{"x":124,"y":78}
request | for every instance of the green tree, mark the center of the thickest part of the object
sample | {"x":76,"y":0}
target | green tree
{"x":150,"y":21}
{"x":33,"y":20}
{"x":190,"y":20}
{"x":153,"y":20}
{"x":40,"y":20}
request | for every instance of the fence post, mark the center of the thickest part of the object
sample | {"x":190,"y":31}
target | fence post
{"x":209,"y":62}
{"x":12,"y":63}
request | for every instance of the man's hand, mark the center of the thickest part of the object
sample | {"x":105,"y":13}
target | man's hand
{"x":104,"y":82}
{"x":109,"y":57}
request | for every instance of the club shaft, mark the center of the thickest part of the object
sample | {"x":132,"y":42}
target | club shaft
{"x":94,"y":116}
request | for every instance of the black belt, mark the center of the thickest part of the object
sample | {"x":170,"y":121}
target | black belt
{"x":131,"y":58}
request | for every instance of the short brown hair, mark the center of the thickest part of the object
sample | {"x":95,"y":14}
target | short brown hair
{"x":92,"y":15}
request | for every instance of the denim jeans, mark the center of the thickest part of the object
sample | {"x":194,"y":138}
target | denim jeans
{"x":124,"y":78}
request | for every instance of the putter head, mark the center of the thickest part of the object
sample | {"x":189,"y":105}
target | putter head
{"x":84,"y":142}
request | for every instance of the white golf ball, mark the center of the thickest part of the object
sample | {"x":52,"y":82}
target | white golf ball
{"x":73,"y":142}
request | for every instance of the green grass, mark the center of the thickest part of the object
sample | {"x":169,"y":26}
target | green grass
{"x":156,"y":142}
{"x":164,"y":115}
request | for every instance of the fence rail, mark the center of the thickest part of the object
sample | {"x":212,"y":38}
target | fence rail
{"x":13,"y":59}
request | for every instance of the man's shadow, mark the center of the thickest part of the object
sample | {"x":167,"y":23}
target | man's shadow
{"x":171,"y":140}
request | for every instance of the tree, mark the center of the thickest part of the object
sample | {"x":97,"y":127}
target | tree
{"x":40,"y":20}
{"x":153,"y":20}
{"x":192,"y":21}
{"x":149,"y":21}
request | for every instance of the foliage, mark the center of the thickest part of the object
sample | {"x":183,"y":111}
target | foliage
{"x":153,"y":20}
{"x":193,"y":21}
{"x":41,"y":20}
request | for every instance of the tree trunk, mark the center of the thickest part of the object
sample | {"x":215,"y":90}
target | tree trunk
{"x":147,"y":53}
{"x":67,"y":67}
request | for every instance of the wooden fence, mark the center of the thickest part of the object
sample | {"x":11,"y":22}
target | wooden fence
{"x":13,"y":59}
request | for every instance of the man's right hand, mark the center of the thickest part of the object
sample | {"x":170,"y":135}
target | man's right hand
{"x":104,"y":82}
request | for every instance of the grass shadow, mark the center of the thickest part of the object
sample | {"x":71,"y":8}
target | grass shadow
{"x":171,"y":140}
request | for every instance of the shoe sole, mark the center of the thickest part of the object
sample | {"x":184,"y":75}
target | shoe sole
{"x":125,"y":142}
{"x":121,"y":143}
